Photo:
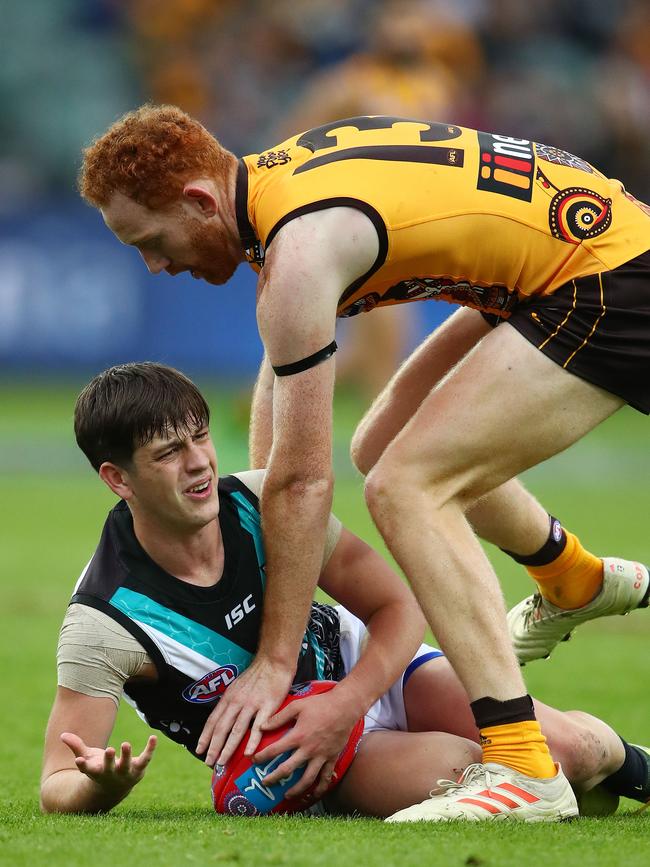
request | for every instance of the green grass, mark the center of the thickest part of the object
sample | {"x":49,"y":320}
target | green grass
{"x":53,"y":509}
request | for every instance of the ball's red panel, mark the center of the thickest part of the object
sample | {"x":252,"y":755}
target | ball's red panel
{"x":238,"y":789}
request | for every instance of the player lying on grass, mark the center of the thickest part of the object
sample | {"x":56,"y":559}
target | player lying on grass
{"x":169,"y":609}
{"x":366,"y":212}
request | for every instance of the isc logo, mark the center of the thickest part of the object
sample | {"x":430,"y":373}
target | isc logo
{"x":212,"y":685}
{"x":240,"y":611}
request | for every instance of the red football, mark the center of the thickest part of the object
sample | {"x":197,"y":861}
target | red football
{"x":238,"y":788}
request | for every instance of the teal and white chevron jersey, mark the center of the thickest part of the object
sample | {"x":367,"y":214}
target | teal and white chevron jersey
{"x":199,"y":638}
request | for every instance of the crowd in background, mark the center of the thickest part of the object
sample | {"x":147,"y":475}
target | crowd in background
{"x":572,"y":73}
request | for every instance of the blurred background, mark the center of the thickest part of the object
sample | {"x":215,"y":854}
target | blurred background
{"x":570,"y":73}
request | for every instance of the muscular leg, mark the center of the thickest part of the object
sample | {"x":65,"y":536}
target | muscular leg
{"x":393,"y":770}
{"x":411,"y":384}
{"x":442,"y":741}
{"x":503,"y":409}
{"x":509,"y":517}
{"x":586,"y":747}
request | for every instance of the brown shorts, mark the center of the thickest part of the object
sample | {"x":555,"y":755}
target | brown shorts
{"x":597,"y":327}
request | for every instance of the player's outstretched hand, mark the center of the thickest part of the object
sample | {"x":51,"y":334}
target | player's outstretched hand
{"x":323,"y":725}
{"x":113,"y":773}
{"x":253,"y":697}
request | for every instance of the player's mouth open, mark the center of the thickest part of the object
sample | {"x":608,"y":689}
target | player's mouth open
{"x":200,"y":490}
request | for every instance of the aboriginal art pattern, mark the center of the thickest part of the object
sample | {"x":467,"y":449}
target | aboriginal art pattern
{"x":561,"y":158}
{"x":576,"y":214}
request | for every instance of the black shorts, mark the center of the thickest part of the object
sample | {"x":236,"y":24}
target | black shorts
{"x":597,"y":327}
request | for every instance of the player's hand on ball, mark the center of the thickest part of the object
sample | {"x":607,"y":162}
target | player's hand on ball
{"x":322,"y":726}
{"x":242,"y":788}
{"x":105,"y":767}
{"x":253,"y":697}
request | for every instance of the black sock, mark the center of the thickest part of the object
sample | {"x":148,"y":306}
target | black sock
{"x":490,"y":712}
{"x":550,"y":550}
{"x":632,"y":780}
{"x":645,"y":602}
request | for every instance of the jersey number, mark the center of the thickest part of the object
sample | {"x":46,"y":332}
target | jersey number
{"x":322,"y":137}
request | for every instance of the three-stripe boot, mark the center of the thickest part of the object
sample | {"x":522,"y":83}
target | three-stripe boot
{"x":495,"y":792}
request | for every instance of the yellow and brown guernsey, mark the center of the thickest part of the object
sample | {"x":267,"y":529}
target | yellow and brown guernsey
{"x":461,"y":215}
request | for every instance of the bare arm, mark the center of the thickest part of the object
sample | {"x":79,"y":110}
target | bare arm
{"x":313,"y":258}
{"x":260,"y":438}
{"x":309,"y":268}
{"x":364,"y":583}
{"x":78,"y":778}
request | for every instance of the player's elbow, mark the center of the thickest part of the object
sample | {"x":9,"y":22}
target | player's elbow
{"x":47,"y":799}
{"x":303,"y":489}
{"x":61,"y":792}
{"x":50,"y":804}
{"x":317,"y":487}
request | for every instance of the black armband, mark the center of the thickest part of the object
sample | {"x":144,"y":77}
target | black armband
{"x":306,"y":363}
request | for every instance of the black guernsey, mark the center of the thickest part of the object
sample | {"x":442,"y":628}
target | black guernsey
{"x":199,"y":638}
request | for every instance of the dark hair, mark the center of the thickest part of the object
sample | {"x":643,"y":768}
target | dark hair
{"x":128,"y":405}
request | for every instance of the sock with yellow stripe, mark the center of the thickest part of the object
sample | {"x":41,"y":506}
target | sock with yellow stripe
{"x":567,"y":574}
{"x":511,"y":736}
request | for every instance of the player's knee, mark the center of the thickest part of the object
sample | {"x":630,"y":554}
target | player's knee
{"x":399,"y":479}
{"x":382,"y":483}
{"x":394,"y":480}
{"x":360,"y":454}
{"x":367,"y":444}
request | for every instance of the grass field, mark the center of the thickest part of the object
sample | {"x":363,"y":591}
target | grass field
{"x":52,"y":511}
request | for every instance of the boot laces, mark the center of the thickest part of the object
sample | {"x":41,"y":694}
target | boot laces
{"x":471,"y":776}
{"x":535,"y":604}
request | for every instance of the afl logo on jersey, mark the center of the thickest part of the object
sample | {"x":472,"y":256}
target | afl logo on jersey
{"x":211,"y":686}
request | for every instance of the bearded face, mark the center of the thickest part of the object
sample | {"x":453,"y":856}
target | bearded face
{"x":175,"y":238}
{"x":213,"y":261}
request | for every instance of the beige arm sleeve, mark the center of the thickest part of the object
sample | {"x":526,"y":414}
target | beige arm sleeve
{"x":253,"y":480}
{"x":95,"y":655}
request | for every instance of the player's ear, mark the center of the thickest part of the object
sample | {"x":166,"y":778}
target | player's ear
{"x":117,"y":480}
{"x":198,"y":193}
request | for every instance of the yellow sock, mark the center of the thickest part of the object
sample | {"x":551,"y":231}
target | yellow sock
{"x":572,"y":579}
{"x":521,"y":746}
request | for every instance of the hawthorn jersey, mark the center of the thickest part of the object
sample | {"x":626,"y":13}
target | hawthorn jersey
{"x":463,"y":216}
{"x":199,"y":638}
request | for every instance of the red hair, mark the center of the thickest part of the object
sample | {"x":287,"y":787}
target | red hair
{"x":149,"y":155}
